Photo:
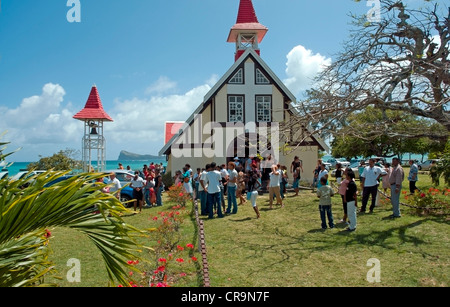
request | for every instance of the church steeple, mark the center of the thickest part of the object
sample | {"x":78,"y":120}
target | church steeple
{"x":247,"y":32}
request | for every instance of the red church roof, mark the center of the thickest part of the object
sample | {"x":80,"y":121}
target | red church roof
{"x":93,"y":108}
{"x":171,"y":129}
{"x":247,"y":21}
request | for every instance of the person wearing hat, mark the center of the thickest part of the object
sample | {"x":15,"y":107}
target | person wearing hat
{"x":236,"y":161}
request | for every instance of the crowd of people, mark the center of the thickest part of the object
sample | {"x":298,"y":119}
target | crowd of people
{"x":242,"y":180}
{"x":391,"y":176}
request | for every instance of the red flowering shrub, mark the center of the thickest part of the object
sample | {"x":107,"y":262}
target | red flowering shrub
{"x":178,"y":195}
{"x":432,"y":201}
{"x":172,"y":257}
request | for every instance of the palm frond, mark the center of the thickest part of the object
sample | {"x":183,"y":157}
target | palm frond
{"x":26,"y":213}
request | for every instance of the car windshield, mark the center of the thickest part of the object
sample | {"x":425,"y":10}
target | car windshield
{"x":356,"y":164}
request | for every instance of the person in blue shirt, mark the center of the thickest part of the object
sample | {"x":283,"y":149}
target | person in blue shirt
{"x":413,"y":176}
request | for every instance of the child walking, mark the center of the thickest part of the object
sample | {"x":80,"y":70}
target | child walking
{"x":325,"y":193}
{"x":342,"y":190}
{"x":351,"y":199}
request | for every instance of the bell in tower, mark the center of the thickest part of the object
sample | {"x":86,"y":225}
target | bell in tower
{"x":93,"y":127}
{"x":93,"y":143}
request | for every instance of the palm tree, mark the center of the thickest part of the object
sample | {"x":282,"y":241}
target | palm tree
{"x":27,"y":214}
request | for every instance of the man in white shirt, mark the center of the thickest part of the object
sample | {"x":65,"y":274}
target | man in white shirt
{"x":322,"y":173}
{"x":115,"y":184}
{"x":231,"y":190}
{"x":137,"y":184}
{"x":213,"y":178}
{"x":202,"y":191}
{"x":370,"y":183}
{"x":223,"y":187}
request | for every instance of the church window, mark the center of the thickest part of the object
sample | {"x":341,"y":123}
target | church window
{"x":261,"y":78}
{"x":263,"y":108}
{"x":235,"y":108}
{"x":237,"y":78}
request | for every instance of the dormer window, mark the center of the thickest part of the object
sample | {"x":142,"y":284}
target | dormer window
{"x":261,"y":78}
{"x":238,"y":78}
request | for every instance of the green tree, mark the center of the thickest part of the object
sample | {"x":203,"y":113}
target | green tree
{"x":27,"y":215}
{"x":374,"y":132}
{"x":443,"y":168}
{"x":62,"y":161}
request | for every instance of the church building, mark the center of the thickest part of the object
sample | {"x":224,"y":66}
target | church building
{"x":247,"y":113}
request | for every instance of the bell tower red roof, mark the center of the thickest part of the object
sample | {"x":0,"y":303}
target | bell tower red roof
{"x":93,"y":108}
{"x":247,"y":22}
{"x":247,"y":13}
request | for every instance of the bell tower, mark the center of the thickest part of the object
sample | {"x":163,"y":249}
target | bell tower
{"x":94,"y":142}
{"x":247,"y":32}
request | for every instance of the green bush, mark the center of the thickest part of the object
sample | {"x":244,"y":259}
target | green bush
{"x":167,"y":180}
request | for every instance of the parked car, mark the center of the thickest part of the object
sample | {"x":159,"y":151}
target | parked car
{"x":3,"y":174}
{"x":327,"y":166}
{"x":23,"y":172}
{"x":333,"y":163}
{"x":425,"y":166}
{"x":125,"y":177}
{"x":126,"y":194}
{"x":354,"y":168}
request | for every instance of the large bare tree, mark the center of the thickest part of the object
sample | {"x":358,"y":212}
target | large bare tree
{"x":400,"y":63}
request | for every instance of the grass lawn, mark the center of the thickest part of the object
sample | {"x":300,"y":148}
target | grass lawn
{"x":287,"y":247}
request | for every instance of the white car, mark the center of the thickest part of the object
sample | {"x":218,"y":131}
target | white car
{"x":344,"y":164}
{"x":425,"y":166}
{"x":354,"y":168}
{"x":123,"y":176}
{"x":332,"y":163}
{"x":23,"y":173}
{"x":3,"y":174}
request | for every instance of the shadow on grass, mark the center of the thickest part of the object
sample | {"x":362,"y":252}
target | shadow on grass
{"x":302,"y":246}
{"x":379,"y":237}
{"x":242,"y":220}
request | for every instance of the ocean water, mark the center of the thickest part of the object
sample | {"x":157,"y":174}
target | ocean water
{"x":16,"y":167}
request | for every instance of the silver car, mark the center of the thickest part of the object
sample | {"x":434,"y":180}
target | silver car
{"x":425,"y":166}
{"x":3,"y":175}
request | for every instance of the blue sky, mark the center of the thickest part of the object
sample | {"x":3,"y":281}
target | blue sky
{"x":151,"y":60}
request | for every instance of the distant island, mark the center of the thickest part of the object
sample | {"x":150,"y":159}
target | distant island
{"x":129,"y":156}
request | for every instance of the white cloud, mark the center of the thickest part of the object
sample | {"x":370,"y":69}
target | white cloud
{"x":142,"y":120}
{"x":162,"y":85}
{"x":41,"y":124}
{"x":302,"y":67}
